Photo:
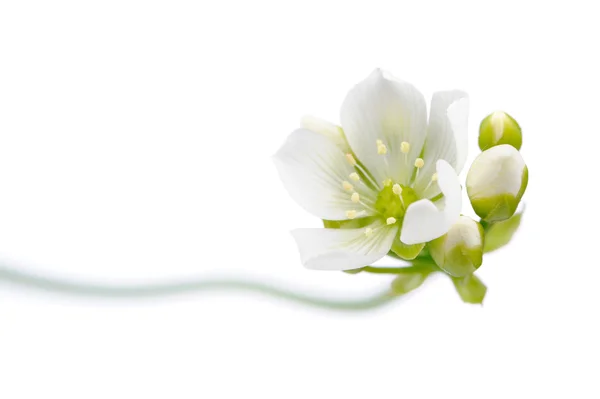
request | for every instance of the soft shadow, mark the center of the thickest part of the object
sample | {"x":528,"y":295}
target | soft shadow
{"x":74,"y":288}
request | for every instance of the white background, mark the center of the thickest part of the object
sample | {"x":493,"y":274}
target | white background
{"x":135,"y":144}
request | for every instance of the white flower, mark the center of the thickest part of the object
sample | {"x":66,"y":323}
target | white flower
{"x":394,"y":176}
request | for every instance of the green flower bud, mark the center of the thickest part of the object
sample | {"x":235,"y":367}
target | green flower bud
{"x":496,"y":182}
{"x":499,"y":128}
{"x":459,"y":252}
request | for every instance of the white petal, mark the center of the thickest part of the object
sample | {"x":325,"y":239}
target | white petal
{"x":382,"y":108}
{"x":312,"y":169}
{"x":329,"y":130}
{"x":423,"y":221}
{"x":458,"y":115}
{"x":446,"y":135}
{"x":343,"y":249}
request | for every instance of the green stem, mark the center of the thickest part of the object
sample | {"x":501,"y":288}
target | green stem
{"x":387,"y":270}
{"x":416,"y":267}
{"x":86,"y":289}
{"x":485,"y":224}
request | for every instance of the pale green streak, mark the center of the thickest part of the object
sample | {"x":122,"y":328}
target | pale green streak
{"x":74,"y":288}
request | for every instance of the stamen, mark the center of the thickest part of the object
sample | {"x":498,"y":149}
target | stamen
{"x":355,"y":198}
{"x":367,"y":206}
{"x":368,"y":231}
{"x":351,"y":214}
{"x":405,"y":147}
{"x":397,"y":189}
{"x":434,"y":178}
{"x":381,"y":148}
{"x":350,"y":159}
{"x":391,"y":220}
{"x":347,"y":186}
{"x":354,"y":176}
{"x":419,"y":163}
{"x":387,"y":182}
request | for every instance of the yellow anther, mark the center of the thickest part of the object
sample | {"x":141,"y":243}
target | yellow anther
{"x":368,"y":231}
{"x":405,"y":147}
{"x":434,"y":177}
{"x":381,"y":148}
{"x":350,"y":159}
{"x":387,"y":182}
{"x":354,"y":176}
{"x":419,"y":163}
{"x":355,"y":198}
{"x":351,"y":214}
{"x":397,"y":189}
{"x":347,"y":186}
{"x":391,"y":220}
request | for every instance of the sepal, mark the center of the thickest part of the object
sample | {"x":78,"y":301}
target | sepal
{"x":405,"y":251}
{"x":470,"y":289}
{"x":499,"y":234}
{"x":409,"y":280}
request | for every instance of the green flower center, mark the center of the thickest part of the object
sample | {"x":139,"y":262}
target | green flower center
{"x":391,"y":204}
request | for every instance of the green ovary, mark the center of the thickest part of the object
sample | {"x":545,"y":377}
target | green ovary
{"x":389,"y":204}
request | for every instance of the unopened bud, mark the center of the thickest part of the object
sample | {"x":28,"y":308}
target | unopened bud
{"x":459,"y":252}
{"x":496,"y":182}
{"x":499,"y":128}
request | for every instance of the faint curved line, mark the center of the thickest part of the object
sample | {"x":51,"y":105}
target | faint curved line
{"x":153,"y":290}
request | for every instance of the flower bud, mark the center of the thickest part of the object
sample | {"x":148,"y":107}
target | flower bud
{"x":459,"y":252}
{"x":496,"y":182}
{"x":499,"y":128}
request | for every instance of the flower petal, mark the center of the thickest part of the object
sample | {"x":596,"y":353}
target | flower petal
{"x":423,"y":221}
{"x":343,"y":249}
{"x":313,"y":169}
{"x":381,"y":108}
{"x":446,"y":135}
{"x":329,"y":130}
